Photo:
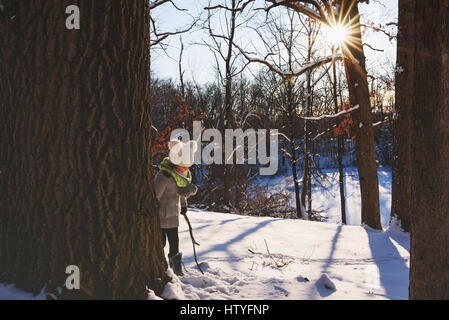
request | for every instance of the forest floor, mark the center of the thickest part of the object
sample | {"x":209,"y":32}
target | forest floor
{"x":361,"y":263}
{"x":247,"y":257}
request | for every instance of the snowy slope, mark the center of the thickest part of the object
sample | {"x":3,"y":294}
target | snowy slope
{"x":361,"y":263}
{"x":326,"y":194}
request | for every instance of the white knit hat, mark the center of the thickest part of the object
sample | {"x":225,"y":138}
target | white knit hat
{"x":182,"y":154}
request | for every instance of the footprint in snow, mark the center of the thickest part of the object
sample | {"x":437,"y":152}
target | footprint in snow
{"x":281,"y":290}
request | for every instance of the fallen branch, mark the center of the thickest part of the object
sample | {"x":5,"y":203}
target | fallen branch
{"x":276,"y":264}
{"x":193,"y":242}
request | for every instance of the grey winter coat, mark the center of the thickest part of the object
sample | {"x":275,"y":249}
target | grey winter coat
{"x":171,"y":199}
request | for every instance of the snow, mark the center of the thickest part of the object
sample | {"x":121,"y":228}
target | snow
{"x":311,"y":65}
{"x":173,"y":289}
{"x":10,"y":292}
{"x":327,"y":116}
{"x":246,"y":257}
{"x":326,"y":283}
{"x":152,"y":295}
{"x":306,"y":259}
{"x":326,"y":193}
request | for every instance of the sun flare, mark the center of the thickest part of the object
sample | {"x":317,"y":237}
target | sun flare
{"x":337,"y":34}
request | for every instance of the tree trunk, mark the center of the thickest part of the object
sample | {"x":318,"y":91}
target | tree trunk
{"x":429,"y":265}
{"x":291,"y":109}
{"x":75,"y":154}
{"x":228,"y":105}
{"x":309,"y":145}
{"x":402,"y":120}
{"x":340,"y":149}
{"x":363,"y":124}
{"x":306,"y":194}
{"x":299,"y":206}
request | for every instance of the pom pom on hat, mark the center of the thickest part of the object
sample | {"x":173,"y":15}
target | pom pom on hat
{"x":182,"y":154}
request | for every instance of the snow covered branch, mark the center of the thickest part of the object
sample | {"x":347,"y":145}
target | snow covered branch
{"x":332,"y":116}
{"x":317,"y":14}
{"x":293,"y":73}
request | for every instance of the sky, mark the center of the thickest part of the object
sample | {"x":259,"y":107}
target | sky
{"x":198,"y":60}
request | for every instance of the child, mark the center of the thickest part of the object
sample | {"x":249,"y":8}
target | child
{"x":173,"y":185}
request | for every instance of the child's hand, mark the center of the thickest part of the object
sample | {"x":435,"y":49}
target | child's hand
{"x":188,"y":191}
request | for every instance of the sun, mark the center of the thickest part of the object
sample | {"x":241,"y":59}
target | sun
{"x":337,"y":34}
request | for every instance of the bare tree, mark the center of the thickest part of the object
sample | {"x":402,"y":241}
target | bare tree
{"x":222,"y":45}
{"x":345,"y":12}
{"x":286,"y":52}
{"x":340,"y":143}
{"x":158,"y":37}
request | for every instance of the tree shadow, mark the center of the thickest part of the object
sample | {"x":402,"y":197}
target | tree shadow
{"x":393,"y":269}
{"x":402,"y":238}
{"x":209,"y":225}
{"x":322,"y":291}
{"x":334,"y":245}
{"x":224,"y":246}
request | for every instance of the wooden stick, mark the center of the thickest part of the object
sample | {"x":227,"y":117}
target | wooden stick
{"x":193,"y":241}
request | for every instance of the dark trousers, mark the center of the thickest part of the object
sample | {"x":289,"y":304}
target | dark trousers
{"x":173,"y":240}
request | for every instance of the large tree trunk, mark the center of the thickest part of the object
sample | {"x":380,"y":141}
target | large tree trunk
{"x":429,"y":265}
{"x":75,"y":154}
{"x":359,"y":95}
{"x":402,"y":125}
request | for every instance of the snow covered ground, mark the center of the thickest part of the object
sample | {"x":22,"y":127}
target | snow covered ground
{"x":361,"y":263}
{"x":9,"y":292}
{"x":326,"y":194}
{"x":357,"y":263}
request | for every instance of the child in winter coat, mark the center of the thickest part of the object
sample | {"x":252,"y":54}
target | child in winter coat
{"x":173,"y":185}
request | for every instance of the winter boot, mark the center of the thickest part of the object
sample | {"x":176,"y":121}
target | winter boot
{"x":175,"y":263}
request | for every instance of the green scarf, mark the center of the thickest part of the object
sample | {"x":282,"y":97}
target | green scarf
{"x":181,"y":181}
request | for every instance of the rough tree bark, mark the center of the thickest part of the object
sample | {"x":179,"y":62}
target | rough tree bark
{"x":363,"y":124}
{"x":429,"y":264}
{"x":75,"y":154}
{"x":402,"y":125}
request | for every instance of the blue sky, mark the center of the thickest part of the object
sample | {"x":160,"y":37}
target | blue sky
{"x":198,"y":61}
